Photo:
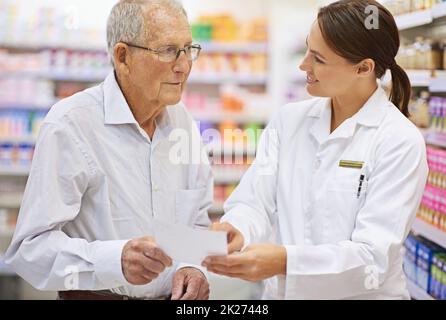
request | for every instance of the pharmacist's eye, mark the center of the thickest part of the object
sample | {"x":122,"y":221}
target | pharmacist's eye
{"x":318,"y":60}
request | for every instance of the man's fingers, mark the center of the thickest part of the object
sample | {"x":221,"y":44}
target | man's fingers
{"x":152,"y":265}
{"x":178,"y":286}
{"x":156,"y":253}
{"x":204,"y":292}
{"x":193,"y":288}
{"x":148,"y":275}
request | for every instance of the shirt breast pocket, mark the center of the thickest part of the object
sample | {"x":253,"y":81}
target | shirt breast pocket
{"x":187,"y":205}
{"x":342,"y":205}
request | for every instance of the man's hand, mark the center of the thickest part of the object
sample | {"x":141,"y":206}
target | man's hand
{"x":142,"y":261}
{"x":257,"y":262}
{"x":190,"y":284}
{"x":235,"y":237}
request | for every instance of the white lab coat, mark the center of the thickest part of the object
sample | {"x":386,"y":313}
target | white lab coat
{"x":339,"y":245}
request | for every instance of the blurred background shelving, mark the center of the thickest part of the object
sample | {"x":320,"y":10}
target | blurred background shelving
{"x":422,"y":26}
{"x":52,"y":49}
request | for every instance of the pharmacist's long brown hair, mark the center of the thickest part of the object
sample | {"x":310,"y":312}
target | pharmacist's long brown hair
{"x":343,"y":25}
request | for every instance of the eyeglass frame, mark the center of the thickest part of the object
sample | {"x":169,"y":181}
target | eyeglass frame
{"x":157,"y":52}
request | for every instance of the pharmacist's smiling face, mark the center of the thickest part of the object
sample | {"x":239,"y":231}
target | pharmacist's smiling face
{"x":328,"y":74}
{"x":162,"y":83}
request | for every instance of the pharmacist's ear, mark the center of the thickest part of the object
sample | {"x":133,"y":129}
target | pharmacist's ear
{"x":365,"y":68}
{"x":121,"y":57}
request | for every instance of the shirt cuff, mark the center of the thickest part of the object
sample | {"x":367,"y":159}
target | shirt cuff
{"x":200,"y":268}
{"x":107,"y":263}
{"x":291,"y":259}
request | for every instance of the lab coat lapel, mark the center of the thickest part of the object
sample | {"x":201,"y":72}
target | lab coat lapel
{"x":321,"y":113}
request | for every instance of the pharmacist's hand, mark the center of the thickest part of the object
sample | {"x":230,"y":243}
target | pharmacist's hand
{"x":142,"y":261}
{"x":190,"y":284}
{"x":235,"y":237}
{"x":257,"y":262}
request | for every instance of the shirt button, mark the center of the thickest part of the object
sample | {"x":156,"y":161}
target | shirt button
{"x":317,"y":164}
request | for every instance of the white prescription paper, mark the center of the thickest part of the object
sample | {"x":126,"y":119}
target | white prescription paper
{"x":188,"y":245}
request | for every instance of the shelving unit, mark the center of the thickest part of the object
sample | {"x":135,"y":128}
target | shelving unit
{"x":435,"y":82}
{"x":227,"y":178}
{"x":6,"y":233}
{"x":240,"y":118}
{"x":15,"y":170}
{"x":4,"y":270}
{"x":429,"y":232}
{"x":416,"y":292}
{"x":10,"y":201}
{"x":219,"y":79}
{"x":420,"y":18}
{"x":234,"y":47}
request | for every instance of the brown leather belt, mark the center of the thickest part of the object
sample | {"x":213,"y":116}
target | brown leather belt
{"x":97,"y":295}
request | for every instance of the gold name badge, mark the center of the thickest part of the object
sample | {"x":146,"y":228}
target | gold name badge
{"x":351,"y":164}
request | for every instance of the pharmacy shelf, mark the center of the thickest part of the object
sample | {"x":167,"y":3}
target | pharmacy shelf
{"x":437,"y":84}
{"x":207,"y":46}
{"x":42,"y":44}
{"x":26,"y":106}
{"x":101,"y":75}
{"x":231,"y":149}
{"x":237,"y":79}
{"x":234,"y":47}
{"x":416,"y":292}
{"x":19,"y":139}
{"x":429,"y":232}
{"x":414,"y":19}
{"x":419,"y":78}
{"x":421,"y":18}
{"x":434,"y":138}
{"x":6,"y":233}
{"x":237,"y":117}
{"x":228,"y":177}
{"x":439,"y":10}
{"x":5,"y":270}
{"x":216,"y":209}
{"x":98,"y":76}
{"x":14,"y":170}
{"x":435,"y":80}
{"x":11,"y":201}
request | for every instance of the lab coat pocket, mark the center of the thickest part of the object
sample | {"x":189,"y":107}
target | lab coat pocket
{"x":342,"y":207}
{"x":187,"y":205}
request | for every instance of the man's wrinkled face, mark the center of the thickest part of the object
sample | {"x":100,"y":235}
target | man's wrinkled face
{"x":157,"y":81}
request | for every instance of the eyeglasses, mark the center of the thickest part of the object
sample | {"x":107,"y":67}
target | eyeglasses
{"x":171,"y":53}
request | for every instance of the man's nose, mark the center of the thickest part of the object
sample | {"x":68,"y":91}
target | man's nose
{"x":182,"y":64}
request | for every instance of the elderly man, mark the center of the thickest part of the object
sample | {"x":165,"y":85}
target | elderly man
{"x":103,"y":170}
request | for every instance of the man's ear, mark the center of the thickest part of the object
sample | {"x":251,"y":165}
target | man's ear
{"x":366,"y":67}
{"x":122,"y":57}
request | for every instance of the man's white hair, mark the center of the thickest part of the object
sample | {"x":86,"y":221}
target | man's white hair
{"x":126,"y":22}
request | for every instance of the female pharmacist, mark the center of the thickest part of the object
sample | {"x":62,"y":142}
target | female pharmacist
{"x":324,"y":210}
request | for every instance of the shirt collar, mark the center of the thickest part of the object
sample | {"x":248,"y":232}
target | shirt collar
{"x":370,"y":114}
{"x":117,"y":111}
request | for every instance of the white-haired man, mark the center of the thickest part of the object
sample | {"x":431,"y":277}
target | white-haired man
{"x":102,"y":171}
